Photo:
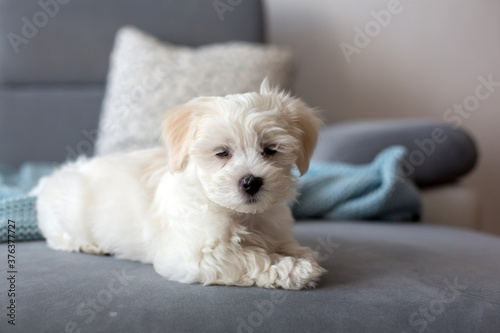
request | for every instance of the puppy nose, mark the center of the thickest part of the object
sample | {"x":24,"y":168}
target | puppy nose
{"x":251,"y":184}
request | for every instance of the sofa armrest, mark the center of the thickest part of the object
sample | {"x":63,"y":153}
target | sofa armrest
{"x":438,"y":153}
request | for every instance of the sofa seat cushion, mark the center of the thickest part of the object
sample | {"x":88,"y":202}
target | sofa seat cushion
{"x":381,"y":278}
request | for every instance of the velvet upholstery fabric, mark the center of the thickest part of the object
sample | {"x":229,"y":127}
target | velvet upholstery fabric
{"x":381,"y":278}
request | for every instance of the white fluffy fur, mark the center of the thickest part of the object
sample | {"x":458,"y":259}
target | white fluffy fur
{"x":182,"y":208}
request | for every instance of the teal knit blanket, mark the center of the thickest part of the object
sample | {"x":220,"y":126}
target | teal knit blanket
{"x":15,"y":203}
{"x":329,"y":191}
{"x":374,"y":191}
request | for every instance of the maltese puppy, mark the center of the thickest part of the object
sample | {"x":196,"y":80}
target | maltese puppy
{"x":212,"y":208}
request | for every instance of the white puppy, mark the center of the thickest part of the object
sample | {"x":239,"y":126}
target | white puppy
{"x":211,"y":208}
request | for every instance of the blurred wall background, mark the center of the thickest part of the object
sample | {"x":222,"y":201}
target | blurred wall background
{"x":425,"y":57}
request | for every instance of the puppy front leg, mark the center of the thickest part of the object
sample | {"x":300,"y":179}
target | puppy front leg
{"x":249,"y":265}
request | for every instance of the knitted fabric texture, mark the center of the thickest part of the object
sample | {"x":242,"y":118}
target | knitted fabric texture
{"x":15,"y":203}
{"x":375,"y":191}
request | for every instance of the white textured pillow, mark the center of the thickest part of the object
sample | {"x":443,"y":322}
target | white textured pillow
{"x":147,"y":77}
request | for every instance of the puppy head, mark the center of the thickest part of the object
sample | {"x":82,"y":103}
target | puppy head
{"x":243,"y":147}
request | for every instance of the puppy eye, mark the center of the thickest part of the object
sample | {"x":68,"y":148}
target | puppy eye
{"x":268,"y":151}
{"x":223,"y":153}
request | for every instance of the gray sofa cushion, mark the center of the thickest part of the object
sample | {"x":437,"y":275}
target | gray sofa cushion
{"x":382,"y":278}
{"x":38,"y":123}
{"x":438,"y":153}
{"x":73,"y":44}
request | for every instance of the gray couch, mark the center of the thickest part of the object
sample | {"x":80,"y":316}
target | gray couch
{"x":382,"y":277}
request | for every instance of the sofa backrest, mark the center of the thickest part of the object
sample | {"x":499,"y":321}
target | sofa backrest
{"x":54,"y":60}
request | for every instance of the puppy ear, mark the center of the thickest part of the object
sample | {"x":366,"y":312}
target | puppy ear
{"x":306,"y":123}
{"x":178,"y":134}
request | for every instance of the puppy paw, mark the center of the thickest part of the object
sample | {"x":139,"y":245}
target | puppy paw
{"x":293,"y":273}
{"x":92,"y":249}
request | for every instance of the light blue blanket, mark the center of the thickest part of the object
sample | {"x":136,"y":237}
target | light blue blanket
{"x":329,"y":191}
{"x":374,"y":191}
{"x":15,"y":203}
